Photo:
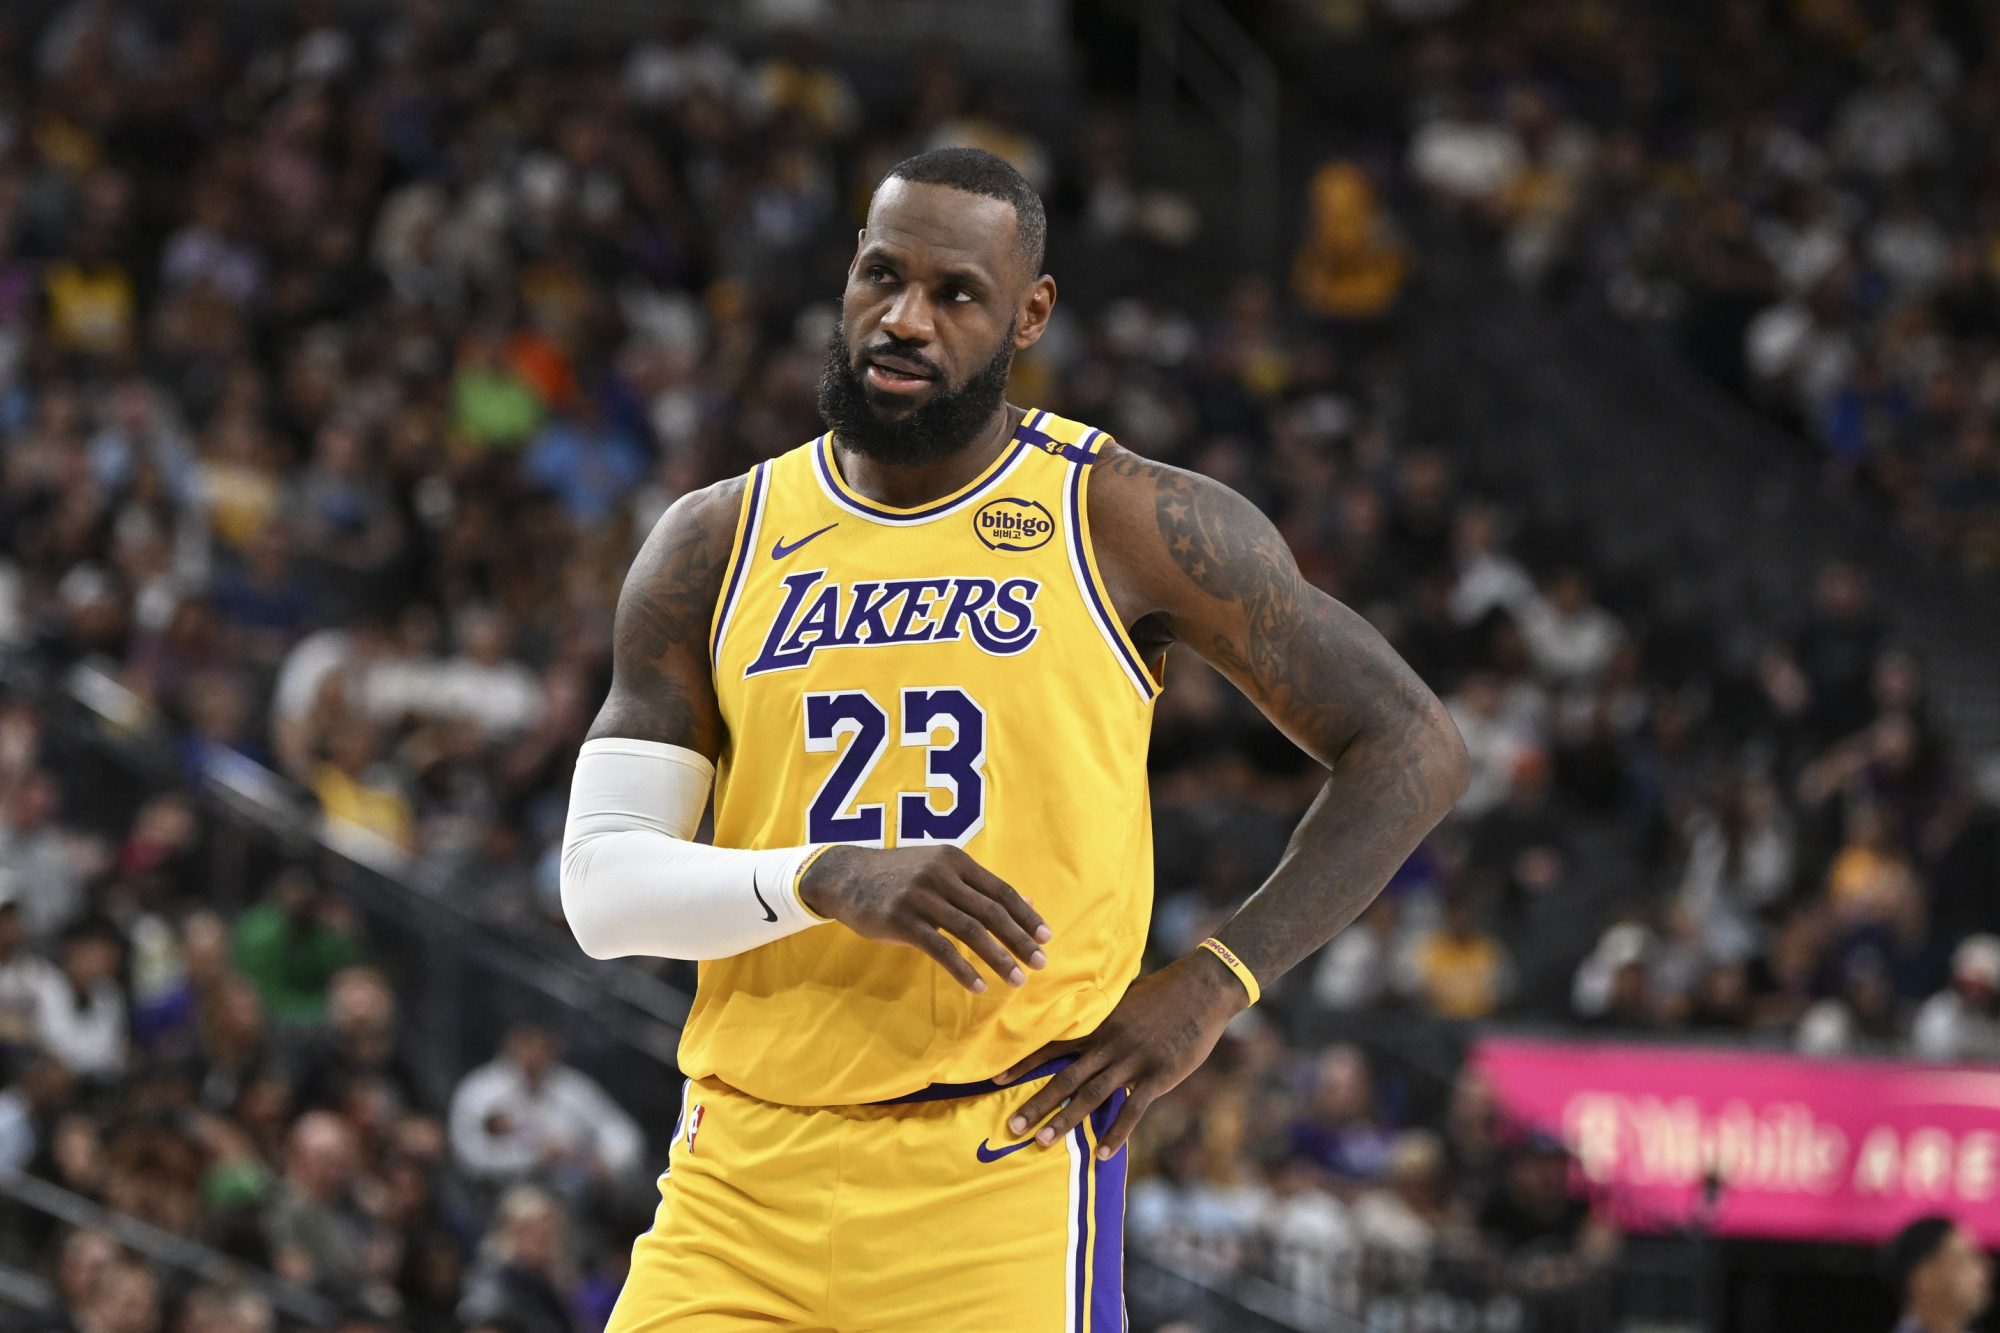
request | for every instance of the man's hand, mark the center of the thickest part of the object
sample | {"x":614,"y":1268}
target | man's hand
{"x":918,"y":896}
{"x":1160,"y":1033}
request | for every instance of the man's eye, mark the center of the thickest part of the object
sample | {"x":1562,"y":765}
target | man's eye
{"x":956,"y":294}
{"x":876,"y":273}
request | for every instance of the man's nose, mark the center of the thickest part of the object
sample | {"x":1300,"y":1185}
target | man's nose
{"x":908,"y":319}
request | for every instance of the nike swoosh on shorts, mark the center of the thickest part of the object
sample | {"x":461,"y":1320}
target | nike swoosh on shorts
{"x":988,"y":1154}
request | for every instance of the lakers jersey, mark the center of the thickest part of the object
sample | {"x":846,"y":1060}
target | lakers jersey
{"x":951,"y":673}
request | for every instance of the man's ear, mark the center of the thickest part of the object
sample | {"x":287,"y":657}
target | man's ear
{"x":1037,"y":305}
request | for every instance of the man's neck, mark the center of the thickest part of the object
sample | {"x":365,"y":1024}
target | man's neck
{"x":909,"y":485}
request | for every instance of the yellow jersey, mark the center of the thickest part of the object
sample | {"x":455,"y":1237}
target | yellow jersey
{"x":950,"y":673}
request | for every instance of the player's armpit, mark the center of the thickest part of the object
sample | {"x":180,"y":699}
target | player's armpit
{"x":661,"y":686}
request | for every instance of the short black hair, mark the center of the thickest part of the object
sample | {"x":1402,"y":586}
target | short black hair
{"x":1911,"y":1248}
{"x":976,"y":171}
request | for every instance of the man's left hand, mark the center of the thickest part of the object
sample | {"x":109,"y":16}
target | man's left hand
{"x":1157,"y":1035}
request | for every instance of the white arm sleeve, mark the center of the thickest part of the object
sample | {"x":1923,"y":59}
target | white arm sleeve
{"x":633,"y":883}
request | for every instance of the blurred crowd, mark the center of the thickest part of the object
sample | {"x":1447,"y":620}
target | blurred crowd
{"x":248,"y":1083}
{"x":1807,"y":194}
{"x":342,"y":371}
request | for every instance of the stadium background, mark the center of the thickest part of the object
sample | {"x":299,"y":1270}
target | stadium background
{"x":1633,"y":366}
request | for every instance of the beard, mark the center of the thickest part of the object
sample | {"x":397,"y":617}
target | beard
{"x":945,"y":423}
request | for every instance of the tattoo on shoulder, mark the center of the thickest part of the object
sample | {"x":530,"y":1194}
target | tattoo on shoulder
{"x":660,"y":637}
{"x":1222,"y":545}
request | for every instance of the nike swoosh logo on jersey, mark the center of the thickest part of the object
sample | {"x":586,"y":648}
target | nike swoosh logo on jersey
{"x":988,"y":1154}
{"x":769,"y":915}
{"x":779,"y":550}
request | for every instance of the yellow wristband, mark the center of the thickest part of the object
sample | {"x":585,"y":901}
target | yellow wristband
{"x":798,"y":877}
{"x":1234,"y":964}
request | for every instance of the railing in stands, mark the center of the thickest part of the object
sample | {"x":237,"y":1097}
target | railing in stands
{"x":1196,"y":44}
{"x":190,"y":1258}
{"x":464,"y":973}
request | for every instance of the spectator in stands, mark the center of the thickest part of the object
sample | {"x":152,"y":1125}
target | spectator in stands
{"x":292,"y":944}
{"x":318,"y":1235}
{"x":1341,"y":1131}
{"x":47,"y":864}
{"x":528,"y":1116}
{"x":1416,"y":1211}
{"x":1941,"y":1278}
{"x":522,"y":1277}
{"x":1861,"y":1015}
{"x":1359,"y":966}
{"x":1549,"y":1240}
{"x":1962,"y":1022}
{"x":80,"y":1017}
{"x":1613,"y":986}
{"x":1459,"y":969}
{"x":358,"y":1047}
{"x":25,"y":976}
{"x":125,"y":1300}
{"x":1350,"y":265}
{"x":1570,"y":638}
{"x":28,"y":1107}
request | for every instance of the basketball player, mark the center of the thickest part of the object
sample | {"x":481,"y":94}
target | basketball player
{"x":917,"y":658}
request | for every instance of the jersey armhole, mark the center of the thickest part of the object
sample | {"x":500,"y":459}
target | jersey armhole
{"x":1090,"y":581}
{"x":741,"y":551}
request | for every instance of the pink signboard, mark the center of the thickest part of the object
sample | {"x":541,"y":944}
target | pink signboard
{"x":1805,"y":1148}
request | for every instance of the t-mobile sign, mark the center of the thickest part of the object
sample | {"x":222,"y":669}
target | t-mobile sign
{"x":1808,"y":1148}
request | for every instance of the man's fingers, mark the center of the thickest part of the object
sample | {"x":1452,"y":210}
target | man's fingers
{"x":980,"y":941}
{"x":1081,"y":1103}
{"x":1121,"y":1129}
{"x":1041,"y":1057}
{"x":1066,"y":1081}
{"x":933,"y":942}
{"x":995,"y":917}
{"x":1048,"y":1052}
{"x":1000,"y":891}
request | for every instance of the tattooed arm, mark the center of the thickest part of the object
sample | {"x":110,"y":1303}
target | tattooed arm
{"x":1197,"y":563}
{"x":1188,"y":560}
{"x":661,"y":686}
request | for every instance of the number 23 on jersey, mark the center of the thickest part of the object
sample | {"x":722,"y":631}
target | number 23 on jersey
{"x":852,"y":724}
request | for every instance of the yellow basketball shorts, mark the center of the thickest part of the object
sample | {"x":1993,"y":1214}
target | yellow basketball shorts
{"x":921,"y":1215}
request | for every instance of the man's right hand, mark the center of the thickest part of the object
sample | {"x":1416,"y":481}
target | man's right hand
{"x":920,"y":895}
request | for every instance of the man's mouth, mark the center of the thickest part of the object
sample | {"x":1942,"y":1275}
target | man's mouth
{"x":895,"y":374}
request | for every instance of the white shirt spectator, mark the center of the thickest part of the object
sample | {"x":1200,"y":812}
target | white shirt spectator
{"x":1912,"y":250}
{"x":1488,"y":579}
{"x":24,"y":979}
{"x":1961,"y":1022}
{"x":1313,"y":1240}
{"x":1948,"y":1028}
{"x":1354,"y":969}
{"x":1467,"y":159}
{"x":1569,"y":644}
{"x":659,"y":73}
{"x":1885,"y":129}
{"x":86,"y":1031}
{"x":1494,"y":742}
{"x":505,"y":1126}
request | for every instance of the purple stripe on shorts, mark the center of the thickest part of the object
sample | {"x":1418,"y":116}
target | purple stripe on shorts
{"x":1107,"y":1284}
{"x":1083,"y":1174}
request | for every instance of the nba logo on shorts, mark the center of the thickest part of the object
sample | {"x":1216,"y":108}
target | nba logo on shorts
{"x":693,"y":1125}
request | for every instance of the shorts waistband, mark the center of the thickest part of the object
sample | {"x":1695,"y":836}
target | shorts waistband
{"x":937,"y":1092}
